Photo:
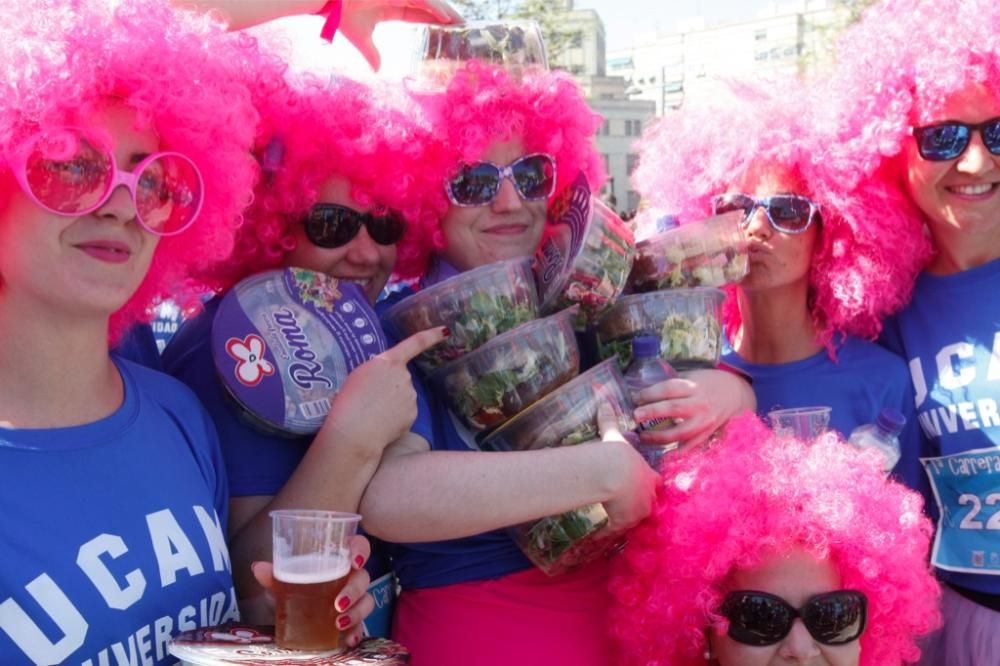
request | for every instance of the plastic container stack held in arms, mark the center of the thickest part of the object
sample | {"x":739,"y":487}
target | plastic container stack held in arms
{"x":284,"y":342}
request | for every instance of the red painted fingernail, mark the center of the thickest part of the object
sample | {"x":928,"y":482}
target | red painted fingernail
{"x":343,"y":603}
{"x":343,"y":621}
{"x":355,"y":640}
{"x":446,"y":331}
{"x":359,"y":561}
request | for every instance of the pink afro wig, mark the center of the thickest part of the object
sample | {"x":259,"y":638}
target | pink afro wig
{"x":866,"y":257}
{"x":484,"y":104}
{"x":748,"y":498}
{"x":373,"y":135}
{"x":896,"y":67}
{"x":180,"y":74}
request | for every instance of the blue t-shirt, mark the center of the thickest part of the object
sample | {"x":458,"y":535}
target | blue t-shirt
{"x":436,"y":563}
{"x":114,"y":531}
{"x":950,"y":335}
{"x":864,"y":379}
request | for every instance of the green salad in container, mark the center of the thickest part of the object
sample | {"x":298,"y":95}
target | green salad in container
{"x":709,"y":253}
{"x":585,"y":256}
{"x":566,"y":417}
{"x":476,"y":306}
{"x":488,"y":386}
{"x":687,"y":321}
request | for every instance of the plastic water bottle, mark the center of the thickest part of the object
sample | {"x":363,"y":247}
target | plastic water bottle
{"x":883,"y":435}
{"x":647,"y":369}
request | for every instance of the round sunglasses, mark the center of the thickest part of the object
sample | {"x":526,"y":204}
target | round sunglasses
{"x":759,"y":618}
{"x":330,"y":225}
{"x":67,"y":171}
{"x":948,"y":140}
{"x":788,"y":213}
{"x":478,"y":184}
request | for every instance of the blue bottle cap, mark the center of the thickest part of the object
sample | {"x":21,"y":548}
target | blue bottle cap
{"x":646,"y":346}
{"x":890,"y":420}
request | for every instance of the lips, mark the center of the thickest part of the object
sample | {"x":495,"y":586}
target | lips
{"x":109,"y":251}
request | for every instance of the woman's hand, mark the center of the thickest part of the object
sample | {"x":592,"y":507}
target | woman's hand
{"x":353,"y":602}
{"x":701,"y":401}
{"x":377,"y":403}
{"x":634,"y":482}
{"x":360,"y":17}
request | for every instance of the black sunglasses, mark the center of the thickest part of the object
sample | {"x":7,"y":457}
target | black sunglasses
{"x":534,"y":178}
{"x":759,"y":618}
{"x":948,"y":140}
{"x":332,"y":225}
{"x":788,"y":213}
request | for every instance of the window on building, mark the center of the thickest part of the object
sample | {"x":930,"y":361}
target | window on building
{"x":633,"y":200}
{"x":631,"y":162}
{"x":576,"y":40}
{"x":605,"y":130}
{"x":760,"y":35}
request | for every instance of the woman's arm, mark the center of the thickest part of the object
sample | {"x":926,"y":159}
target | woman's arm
{"x":375,"y":406}
{"x":423,"y":495}
{"x":242,"y":14}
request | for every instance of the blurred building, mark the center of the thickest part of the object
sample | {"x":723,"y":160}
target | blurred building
{"x":584,"y":56}
{"x":667,"y":68}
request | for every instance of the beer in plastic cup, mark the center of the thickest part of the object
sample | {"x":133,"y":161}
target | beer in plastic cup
{"x":805,"y":423}
{"x":311,"y":565}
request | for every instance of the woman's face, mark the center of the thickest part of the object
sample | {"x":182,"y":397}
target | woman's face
{"x":88,"y":265}
{"x":962,"y":194}
{"x":361,"y":260}
{"x":795,"y":577}
{"x":507,"y":228}
{"x":777,"y":259}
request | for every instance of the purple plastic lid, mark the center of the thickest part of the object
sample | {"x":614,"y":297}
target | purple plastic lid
{"x":890,"y":420}
{"x":646,"y":346}
{"x":283,"y":343}
{"x":564,"y":241}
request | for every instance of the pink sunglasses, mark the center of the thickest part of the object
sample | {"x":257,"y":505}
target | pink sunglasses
{"x":66,"y":172}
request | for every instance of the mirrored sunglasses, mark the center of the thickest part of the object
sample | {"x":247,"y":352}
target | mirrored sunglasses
{"x":788,"y":213}
{"x":948,"y":140}
{"x":534,"y":178}
{"x":760,"y":618}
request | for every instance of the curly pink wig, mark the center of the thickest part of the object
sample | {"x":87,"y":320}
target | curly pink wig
{"x":482,"y":105}
{"x":373,"y":135}
{"x":866,"y":256}
{"x":749,"y":497}
{"x":178,"y":71}
{"x":896,"y":68}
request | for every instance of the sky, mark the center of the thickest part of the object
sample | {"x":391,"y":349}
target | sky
{"x":623,"y":19}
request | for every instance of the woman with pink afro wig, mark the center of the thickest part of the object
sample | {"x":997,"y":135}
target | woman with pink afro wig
{"x":444,"y":506}
{"x":824,"y":266}
{"x":342,"y":185}
{"x":124,"y":166}
{"x":917,"y":96}
{"x":758,"y":525}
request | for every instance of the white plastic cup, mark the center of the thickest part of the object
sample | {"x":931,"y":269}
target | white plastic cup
{"x":312,"y":561}
{"x":805,"y":423}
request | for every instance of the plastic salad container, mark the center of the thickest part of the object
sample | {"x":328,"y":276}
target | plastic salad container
{"x":284,"y":341}
{"x":488,"y":386}
{"x":565,"y":417}
{"x":585,"y":255}
{"x":687,"y":321}
{"x":236,"y":644}
{"x":709,"y":253}
{"x":476,"y":306}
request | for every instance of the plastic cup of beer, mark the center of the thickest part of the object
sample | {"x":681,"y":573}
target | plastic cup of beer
{"x":805,"y":423}
{"x":311,"y":564}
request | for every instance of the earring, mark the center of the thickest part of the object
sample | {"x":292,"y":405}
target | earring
{"x":707,"y":654}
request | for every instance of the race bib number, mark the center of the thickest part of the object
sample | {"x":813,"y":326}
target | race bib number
{"x":967,"y":490}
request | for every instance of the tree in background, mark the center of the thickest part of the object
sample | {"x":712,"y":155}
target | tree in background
{"x":551,"y":18}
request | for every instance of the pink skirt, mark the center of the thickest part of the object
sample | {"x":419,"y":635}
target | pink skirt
{"x":526,"y":619}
